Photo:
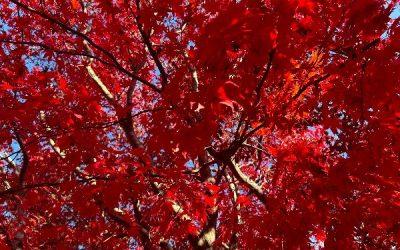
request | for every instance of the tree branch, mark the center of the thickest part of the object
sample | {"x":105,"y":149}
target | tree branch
{"x":11,"y":191}
{"x":144,"y":230}
{"x":53,"y":145}
{"x":57,"y":51}
{"x":25,"y":160}
{"x":264,"y":76}
{"x":234,"y":190}
{"x":310,"y":83}
{"x":7,"y":237}
{"x":127,"y":121}
{"x":149,"y":45}
{"x":226,"y":158}
{"x":209,"y":233}
{"x":107,"y":94}
{"x":234,"y":167}
{"x":89,"y":41}
{"x":193,"y":71}
{"x":8,"y":160}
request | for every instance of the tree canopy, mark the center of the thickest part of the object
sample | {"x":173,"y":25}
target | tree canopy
{"x":247,"y":124}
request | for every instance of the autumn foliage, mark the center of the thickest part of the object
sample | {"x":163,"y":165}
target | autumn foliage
{"x":148,"y":124}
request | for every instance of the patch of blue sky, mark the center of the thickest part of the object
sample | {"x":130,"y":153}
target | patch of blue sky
{"x":396,"y":12}
{"x":315,"y":243}
{"x":8,"y":215}
{"x":71,"y":224}
{"x":19,"y":97}
{"x":190,"y":164}
{"x":155,"y":76}
{"x":214,"y":169}
{"x":270,"y":163}
{"x":344,"y":155}
{"x":4,"y":27}
{"x":38,"y":61}
{"x":133,"y":243}
{"x":15,"y":155}
{"x":334,"y":139}
{"x":311,"y":128}
{"x":113,"y":142}
{"x":332,"y":134}
{"x":171,"y":21}
{"x":191,"y":44}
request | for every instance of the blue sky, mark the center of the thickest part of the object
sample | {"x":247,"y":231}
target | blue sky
{"x":396,"y":13}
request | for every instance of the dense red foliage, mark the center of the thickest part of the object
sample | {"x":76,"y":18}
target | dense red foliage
{"x":189,"y":124}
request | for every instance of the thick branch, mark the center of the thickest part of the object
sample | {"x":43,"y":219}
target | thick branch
{"x":56,"y":149}
{"x":242,"y":177}
{"x":144,"y":230}
{"x":25,"y":159}
{"x":149,"y":46}
{"x":234,"y":190}
{"x":8,"y":160}
{"x":209,"y":233}
{"x":234,"y":167}
{"x":126,"y":124}
{"x":113,"y":215}
{"x":53,"y":145}
{"x":195,"y":78}
{"x":100,"y":84}
{"x":264,"y":76}
{"x":193,"y":72}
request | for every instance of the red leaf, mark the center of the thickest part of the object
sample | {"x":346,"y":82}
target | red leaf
{"x":75,"y":4}
{"x":6,"y":86}
{"x":243,"y":200}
